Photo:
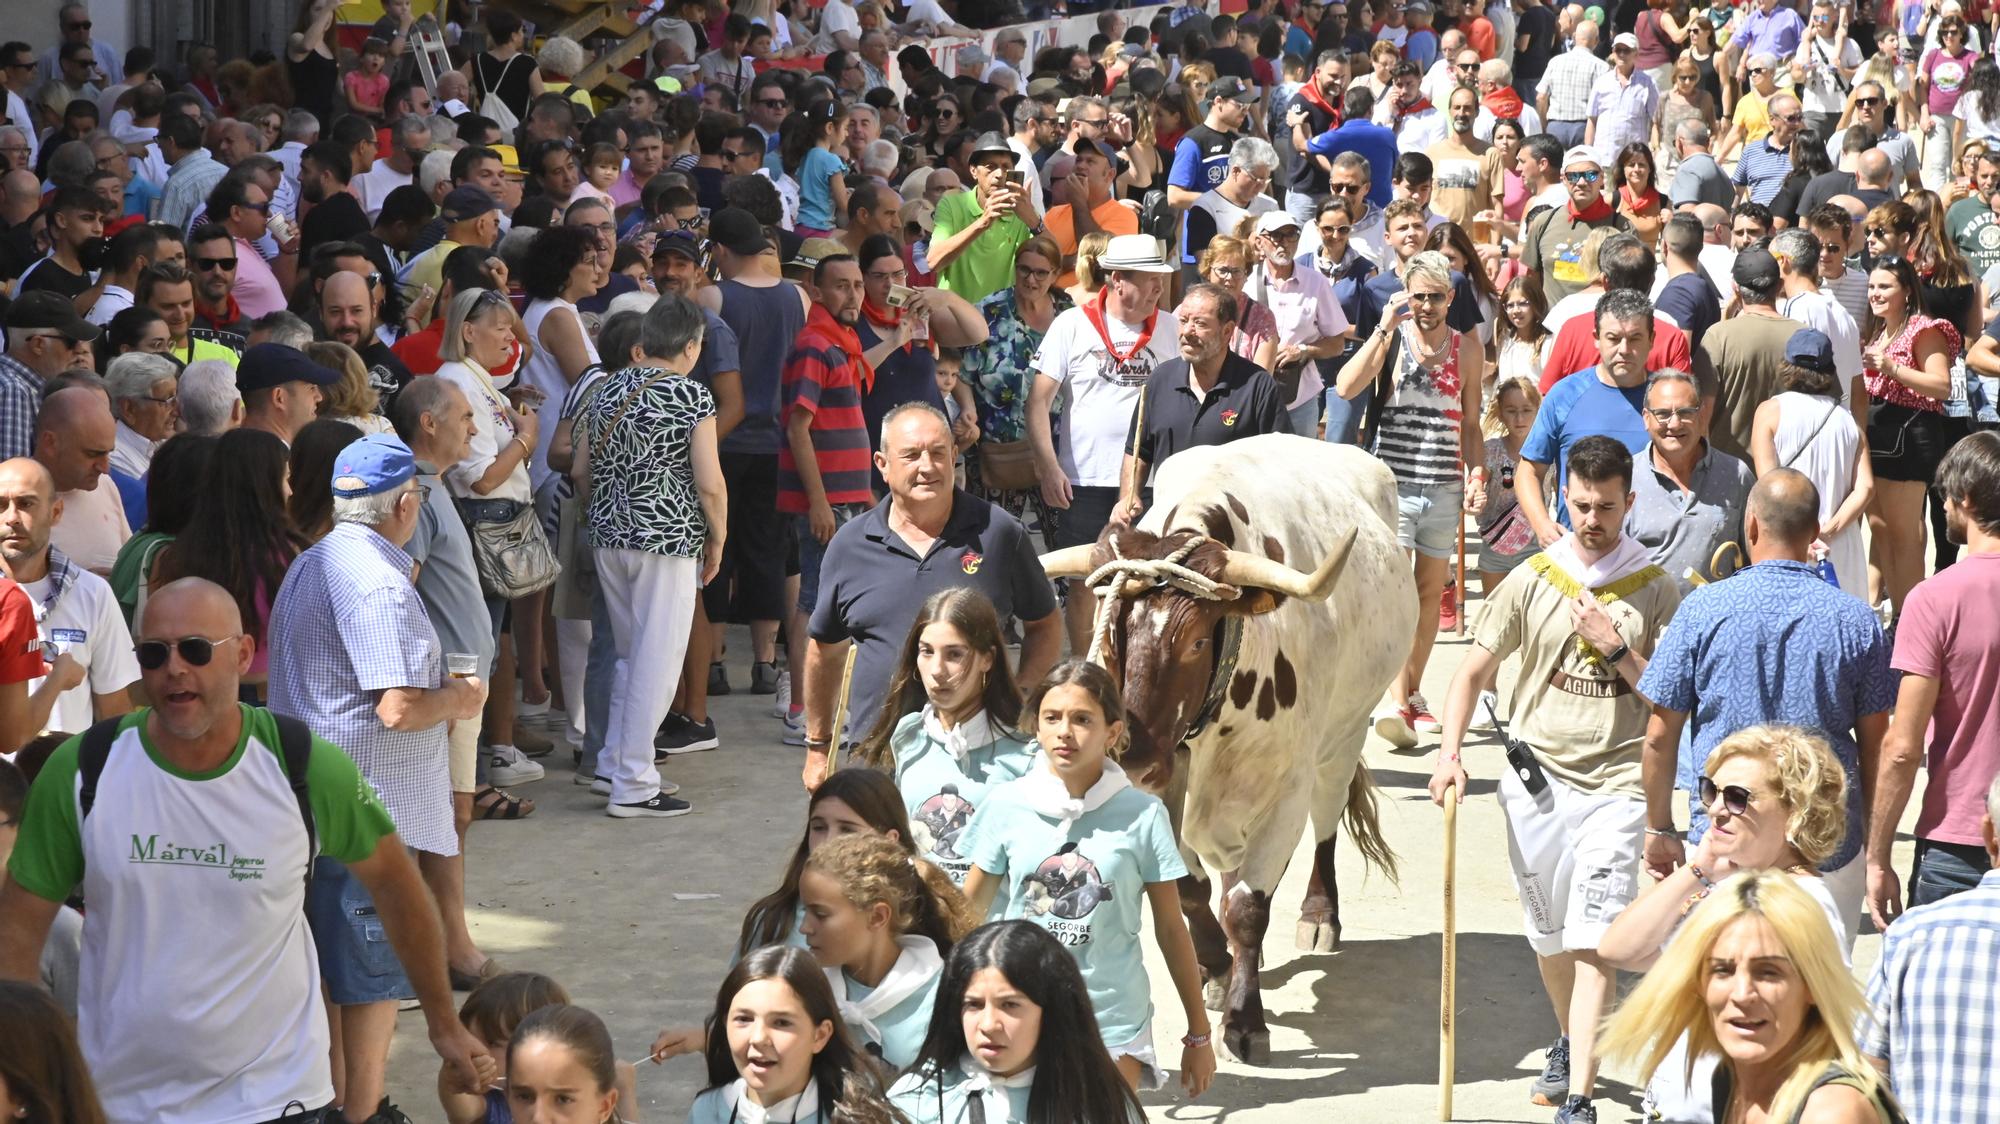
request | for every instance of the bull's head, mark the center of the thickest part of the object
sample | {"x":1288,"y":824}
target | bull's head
{"x":1163,"y":641}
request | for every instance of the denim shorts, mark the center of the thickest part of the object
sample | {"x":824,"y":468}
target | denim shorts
{"x":1428,"y":518}
{"x":356,"y":960}
{"x":812,"y":552}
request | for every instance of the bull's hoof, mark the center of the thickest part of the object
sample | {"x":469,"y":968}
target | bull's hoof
{"x":1319,"y":936}
{"x":1251,"y":1047}
{"x":1215,"y":994}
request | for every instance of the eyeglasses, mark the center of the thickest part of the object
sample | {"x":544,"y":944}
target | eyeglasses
{"x":1736,"y":799}
{"x":1687,"y":77}
{"x":1583,"y":177}
{"x":1429,"y":298}
{"x":1682,"y":413}
{"x":203,"y":265}
{"x":1033,"y":274}
{"x":196,"y":651}
{"x":1789,"y":118}
{"x":167,"y":401}
{"x":1326,"y":232}
{"x":738,"y":154}
{"x":773,"y":103}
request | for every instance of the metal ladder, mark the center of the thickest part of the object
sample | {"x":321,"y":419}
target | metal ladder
{"x":427,"y":44}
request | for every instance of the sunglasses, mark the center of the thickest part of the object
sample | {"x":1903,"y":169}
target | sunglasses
{"x":1583,"y":177}
{"x":1736,"y":799}
{"x":772,"y":103}
{"x":1336,"y":231}
{"x":195,"y":651}
{"x":80,"y":25}
{"x":1756,"y":70}
{"x":1878,"y":232}
{"x":1430,"y":298}
{"x":1348,"y":188}
{"x":206,"y":264}
{"x":738,"y":154}
{"x":1790,"y":118}
{"x":1867,"y":103}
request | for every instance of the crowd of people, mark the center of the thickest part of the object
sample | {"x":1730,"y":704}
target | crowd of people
{"x":370,"y":432}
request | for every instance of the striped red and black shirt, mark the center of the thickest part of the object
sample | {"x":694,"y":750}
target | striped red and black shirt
{"x":823,"y":376}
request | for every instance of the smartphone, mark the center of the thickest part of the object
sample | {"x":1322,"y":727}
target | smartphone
{"x":1018,"y":178}
{"x":901,"y":296}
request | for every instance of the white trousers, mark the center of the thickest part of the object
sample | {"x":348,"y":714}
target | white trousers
{"x":573,"y":641}
{"x":651,"y":599}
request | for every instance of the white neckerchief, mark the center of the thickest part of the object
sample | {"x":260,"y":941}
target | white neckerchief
{"x":1628,"y":557}
{"x":918,"y":965}
{"x":992,"y":1088}
{"x":742,"y":1109}
{"x":962,"y":739}
{"x":1050,"y":797}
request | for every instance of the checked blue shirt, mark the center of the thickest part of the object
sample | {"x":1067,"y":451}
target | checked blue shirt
{"x":1931,"y":1009}
{"x":1772,"y":643}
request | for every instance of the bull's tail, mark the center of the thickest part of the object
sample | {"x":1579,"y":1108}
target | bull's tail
{"x":1364,"y":823}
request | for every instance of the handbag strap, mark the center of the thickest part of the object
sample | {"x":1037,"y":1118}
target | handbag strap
{"x":627,"y":403}
{"x":1811,"y":437}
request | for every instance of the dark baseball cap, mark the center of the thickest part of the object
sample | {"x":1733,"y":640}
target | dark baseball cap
{"x":1231,"y":87}
{"x":467,"y":202}
{"x":738,"y":231}
{"x":49,"y":311}
{"x":1810,"y":348}
{"x":682,"y":242}
{"x":273,"y":364}
{"x":1756,"y":269}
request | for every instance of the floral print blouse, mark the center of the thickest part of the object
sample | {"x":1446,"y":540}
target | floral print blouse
{"x":1001,"y":370}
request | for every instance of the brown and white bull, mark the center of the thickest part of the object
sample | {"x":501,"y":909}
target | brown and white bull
{"x":1255,"y":614}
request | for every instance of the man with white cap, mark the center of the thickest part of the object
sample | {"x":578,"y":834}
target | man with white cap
{"x":1311,"y":325}
{"x":1623,"y":101}
{"x":1553,"y":245}
{"x":1096,"y":358}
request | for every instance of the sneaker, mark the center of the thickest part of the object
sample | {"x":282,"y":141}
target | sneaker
{"x":1421,"y":718}
{"x":672,"y":724}
{"x":386,"y":1113}
{"x":1488,"y":705}
{"x":666,"y":807}
{"x":795,"y":729}
{"x":718,"y":679}
{"x":1397,"y":726}
{"x":1552,"y":1087}
{"x":531,"y":741}
{"x":581,"y":777}
{"x":525,"y":709}
{"x":507,"y":767}
{"x":691,"y":737}
{"x":1448,"y":609}
{"x":601,"y":786}
{"x":782,"y":705}
{"x":1577,"y":1110}
{"x":764,"y":678}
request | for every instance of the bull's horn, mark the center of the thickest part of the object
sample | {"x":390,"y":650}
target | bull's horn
{"x":1255,"y":570}
{"x":1069,"y":562}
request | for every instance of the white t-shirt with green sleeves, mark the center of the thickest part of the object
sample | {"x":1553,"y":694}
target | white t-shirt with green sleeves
{"x":1085,"y":886}
{"x":199,"y":1000}
{"x":941,"y":790}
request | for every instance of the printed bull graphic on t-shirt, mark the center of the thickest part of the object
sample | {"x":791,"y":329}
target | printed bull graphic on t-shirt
{"x":1065,"y":885}
{"x":939,"y":821}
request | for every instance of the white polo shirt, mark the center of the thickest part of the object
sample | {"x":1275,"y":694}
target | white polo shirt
{"x":84,"y":621}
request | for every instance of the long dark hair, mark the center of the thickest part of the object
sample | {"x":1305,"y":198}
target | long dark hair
{"x":1076,"y":1082}
{"x":1985,"y":81}
{"x":1913,"y":294}
{"x":850,"y":1087}
{"x":176,"y":479}
{"x":873,"y":797}
{"x":42,"y":1067}
{"x":314,"y":449}
{"x":967,"y":610}
{"x":239,"y":536}
{"x":801,"y":132}
{"x":1453,"y":235}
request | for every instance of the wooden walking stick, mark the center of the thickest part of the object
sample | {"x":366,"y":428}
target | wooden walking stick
{"x":1448,"y":979}
{"x":839,"y":734}
{"x":1458,"y":589}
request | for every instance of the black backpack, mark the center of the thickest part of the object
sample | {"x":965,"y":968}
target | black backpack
{"x":294,"y":747}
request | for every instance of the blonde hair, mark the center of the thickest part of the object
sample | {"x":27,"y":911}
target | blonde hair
{"x":352,"y":396}
{"x":1808,"y":777}
{"x":921,"y":898}
{"x":1586,"y":256}
{"x":1670,"y":1002}
{"x":1221,"y":247}
{"x":1088,"y":249}
{"x":1489,"y":421}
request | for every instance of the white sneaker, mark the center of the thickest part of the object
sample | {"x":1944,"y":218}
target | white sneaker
{"x":795,"y":730}
{"x":1488,"y":705}
{"x":525,"y":709}
{"x":508,"y":766}
{"x":782,"y":705}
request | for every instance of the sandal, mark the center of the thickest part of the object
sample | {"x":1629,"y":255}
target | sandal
{"x":491,"y":803}
{"x":466,"y":981}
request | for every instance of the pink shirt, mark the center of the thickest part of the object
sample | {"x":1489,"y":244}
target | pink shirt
{"x":625,"y":190}
{"x":1949,"y":632}
{"x":257,"y":290}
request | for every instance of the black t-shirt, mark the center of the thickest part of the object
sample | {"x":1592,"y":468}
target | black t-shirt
{"x":708,"y":187}
{"x":1230,"y":60}
{"x":313,"y":80}
{"x":1538,"y":23}
{"x":1819,"y":189}
{"x":386,"y":373}
{"x":47,"y":275}
{"x":339,"y":218}
{"x":1244,"y":402}
{"x":1306,"y":175}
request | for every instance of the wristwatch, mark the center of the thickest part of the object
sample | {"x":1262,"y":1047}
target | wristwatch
{"x":1618,"y":654}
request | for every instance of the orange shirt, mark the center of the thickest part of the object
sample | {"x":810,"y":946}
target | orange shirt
{"x":1112,"y":217}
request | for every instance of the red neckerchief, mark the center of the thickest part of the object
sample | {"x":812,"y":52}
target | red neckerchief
{"x":1596,"y":212}
{"x":1094,"y":312}
{"x":822,"y":331}
{"x":1311,"y":93}
{"x":220,"y":325}
{"x":885,"y":322}
{"x":1422,"y":103}
{"x":1504,"y":102}
{"x":1641,"y":203}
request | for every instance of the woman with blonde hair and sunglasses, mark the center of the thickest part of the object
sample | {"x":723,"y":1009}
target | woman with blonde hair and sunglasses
{"x":1227,"y":262}
{"x":1776,"y":798}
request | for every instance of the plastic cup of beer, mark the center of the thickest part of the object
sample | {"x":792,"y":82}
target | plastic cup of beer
{"x":461,"y":665}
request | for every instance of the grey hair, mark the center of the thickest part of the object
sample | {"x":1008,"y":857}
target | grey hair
{"x":562,"y":55}
{"x":369,"y":511}
{"x":284,"y":327}
{"x":1496,"y":70}
{"x":435,"y":169}
{"x":1671,"y":374}
{"x":1024,"y":113}
{"x":1078,"y":105}
{"x":451,"y":348}
{"x":1431,"y":265}
{"x":864,"y":111}
{"x":616,"y":337}
{"x":670,"y":326}
{"x":300,"y":125}
{"x":1764,"y":58}
{"x":1253,"y":152}
{"x":443,"y":129}
{"x":1355,"y":162}
{"x":1693,"y":131}
{"x":409,"y":127}
{"x":133,"y":374}
{"x":896,"y":414}
{"x":208,"y":396}
{"x":880,"y":158}
{"x":1799,"y":249}
{"x":637,"y":300}
{"x":14,"y":130}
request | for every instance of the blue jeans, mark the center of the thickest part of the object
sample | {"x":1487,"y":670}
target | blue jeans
{"x":1944,"y":869}
{"x":1305,"y":418}
{"x":597,"y":674}
{"x":1343,"y":415}
{"x":1303,"y":205}
{"x":1569,"y":134}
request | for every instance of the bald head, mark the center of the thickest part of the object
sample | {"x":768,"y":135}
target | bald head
{"x":1784,"y":506}
{"x":344,"y":287}
{"x":24,"y":475}
{"x":1586,"y":35}
{"x":1871,"y":169}
{"x":1714,"y":222}
{"x":74,"y":436}
{"x":189,"y":607}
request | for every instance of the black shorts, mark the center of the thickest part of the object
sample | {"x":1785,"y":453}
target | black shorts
{"x":1089,"y":512}
{"x":1907,"y":444}
{"x":760,"y":550}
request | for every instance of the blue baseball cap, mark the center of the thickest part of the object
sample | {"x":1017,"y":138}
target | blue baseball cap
{"x":1810,"y":348}
{"x":372,"y":465}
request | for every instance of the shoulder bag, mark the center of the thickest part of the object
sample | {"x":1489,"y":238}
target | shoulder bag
{"x":512,"y":555}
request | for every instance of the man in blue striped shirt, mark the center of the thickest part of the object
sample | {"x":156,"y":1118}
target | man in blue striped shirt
{"x":1933,"y":1027}
{"x":1765,"y":163}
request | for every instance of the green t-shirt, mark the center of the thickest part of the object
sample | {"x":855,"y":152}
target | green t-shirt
{"x":1976,"y":230}
{"x":986,"y":266}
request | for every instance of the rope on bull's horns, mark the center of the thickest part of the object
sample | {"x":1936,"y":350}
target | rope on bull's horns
{"x":1108,"y":583}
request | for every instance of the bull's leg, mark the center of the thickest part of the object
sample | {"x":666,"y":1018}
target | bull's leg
{"x":1211,"y":944}
{"x":1246,"y":913}
{"x":1319,"y":914}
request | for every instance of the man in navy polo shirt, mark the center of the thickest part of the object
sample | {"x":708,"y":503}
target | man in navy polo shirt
{"x":881,"y":565}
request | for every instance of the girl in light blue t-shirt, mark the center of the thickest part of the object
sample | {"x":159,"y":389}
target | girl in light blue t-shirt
{"x":1007,"y":988}
{"x":806,"y":152}
{"x":947,"y":728}
{"x":778,"y":1053}
{"x":1074,"y":848}
{"x":880,"y":924}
